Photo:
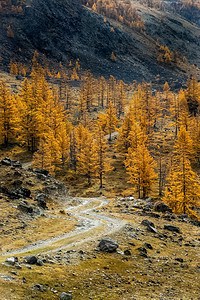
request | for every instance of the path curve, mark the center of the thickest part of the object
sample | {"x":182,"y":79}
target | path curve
{"x":92,"y":225}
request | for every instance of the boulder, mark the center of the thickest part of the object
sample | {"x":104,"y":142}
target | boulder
{"x":32,"y":259}
{"x":162,"y":207}
{"x":65,"y":296}
{"x":18,"y":193}
{"x":41,"y":171}
{"x":152,"y":229}
{"x":108,"y":245}
{"x":150,"y":226}
{"x":41,"y":176}
{"x":148,"y":223}
{"x":39,"y":262}
{"x":196,"y":222}
{"x":42,"y":204}
{"x":6,"y":161}
{"x":25,"y":207}
{"x":148,"y":246}
{"x":39,"y":287}
{"x":172,"y":228}
{"x":143,"y":251}
{"x":11,"y":260}
{"x":127,"y":252}
{"x":10,"y":162}
{"x":23,"y":192}
{"x":16,"y":164}
{"x":40,"y":196}
{"x":179,"y":259}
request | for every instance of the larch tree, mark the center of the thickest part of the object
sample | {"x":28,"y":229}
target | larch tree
{"x":111,"y":120}
{"x":9,"y":115}
{"x":184,"y":117}
{"x":123,"y":139}
{"x":88,"y":158}
{"x":103,"y":165}
{"x":192,"y":95}
{"x":87,"y":92}
{"x":64,"y":143}
{"x":140,"y":167}
{"x":121,"y":99}
{"x":183,"y":189}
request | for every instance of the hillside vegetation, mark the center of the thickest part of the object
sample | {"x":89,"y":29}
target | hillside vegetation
{"x":99,"y":149}
{"x":69,"y":31}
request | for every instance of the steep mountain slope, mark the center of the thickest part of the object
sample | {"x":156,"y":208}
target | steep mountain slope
{"x":62,"y":30}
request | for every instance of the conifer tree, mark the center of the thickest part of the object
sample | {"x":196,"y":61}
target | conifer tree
{"x":184,"y":115}
{"x":123,"y":139}
{"x":9,"y":115}
{"x":87,"y":157}
{"x":121,"y":99}
{"x":64,"y":143}
{"x":111,"y":120}
{"x":192,"y":95}
{"x":42,"y":158}
{"x":103,"y":165}
{"x":140,"y":168}
{"x":73,"y":149}
{"x":87,"y":93}
{"x":48,"y":155}
{"x":183,"y":189}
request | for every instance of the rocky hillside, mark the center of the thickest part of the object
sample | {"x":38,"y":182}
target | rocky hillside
{"x":62,"y":30}
{"x":153,"y":255}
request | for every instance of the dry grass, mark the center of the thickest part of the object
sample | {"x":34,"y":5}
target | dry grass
{"x":97,"y":275}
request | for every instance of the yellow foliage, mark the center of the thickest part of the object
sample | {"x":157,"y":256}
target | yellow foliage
{"x":140,"y":168}
{"x":113,"y":57}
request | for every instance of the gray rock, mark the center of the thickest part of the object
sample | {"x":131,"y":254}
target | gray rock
{"x":40,"y":196}
{"x":41,"y":171}
{"x":24,"y":192}
{"x":25,"y":207}
{"x":148,"y":223}
{"x":41,"y":176}
{"x":162,"y":207}
{"x":6,"y":161}
{"x":42,"y":204}
{"x":152,"y":229}
{"x":11,"y":260}
{"x":172,"y":228}
{"x":18,"y":266}
{"x":32,"y":259}
{"x":127,"y":252}
{"x":16,"y":164}
{"x":179,"y":259}
{"x":143,"y":251}
{"x":65,"y":296}
{"x":108,"y":245}
{"x":14,"y":273}
{"x":148,"y":246}
{"x":39,"y":262}
{"x":39,"y":287}
{"x":196,"y":222}
{"x":10,"y":162}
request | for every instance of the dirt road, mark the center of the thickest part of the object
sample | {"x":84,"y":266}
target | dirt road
{"x":92,"y":225}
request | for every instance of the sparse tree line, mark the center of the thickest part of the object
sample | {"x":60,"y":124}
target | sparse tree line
{"x":167,"y":56}
{"x":121,"y":11}
{"x":156,"y":137}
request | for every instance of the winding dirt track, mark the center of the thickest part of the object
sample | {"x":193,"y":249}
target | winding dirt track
{"x":92,"y":226}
